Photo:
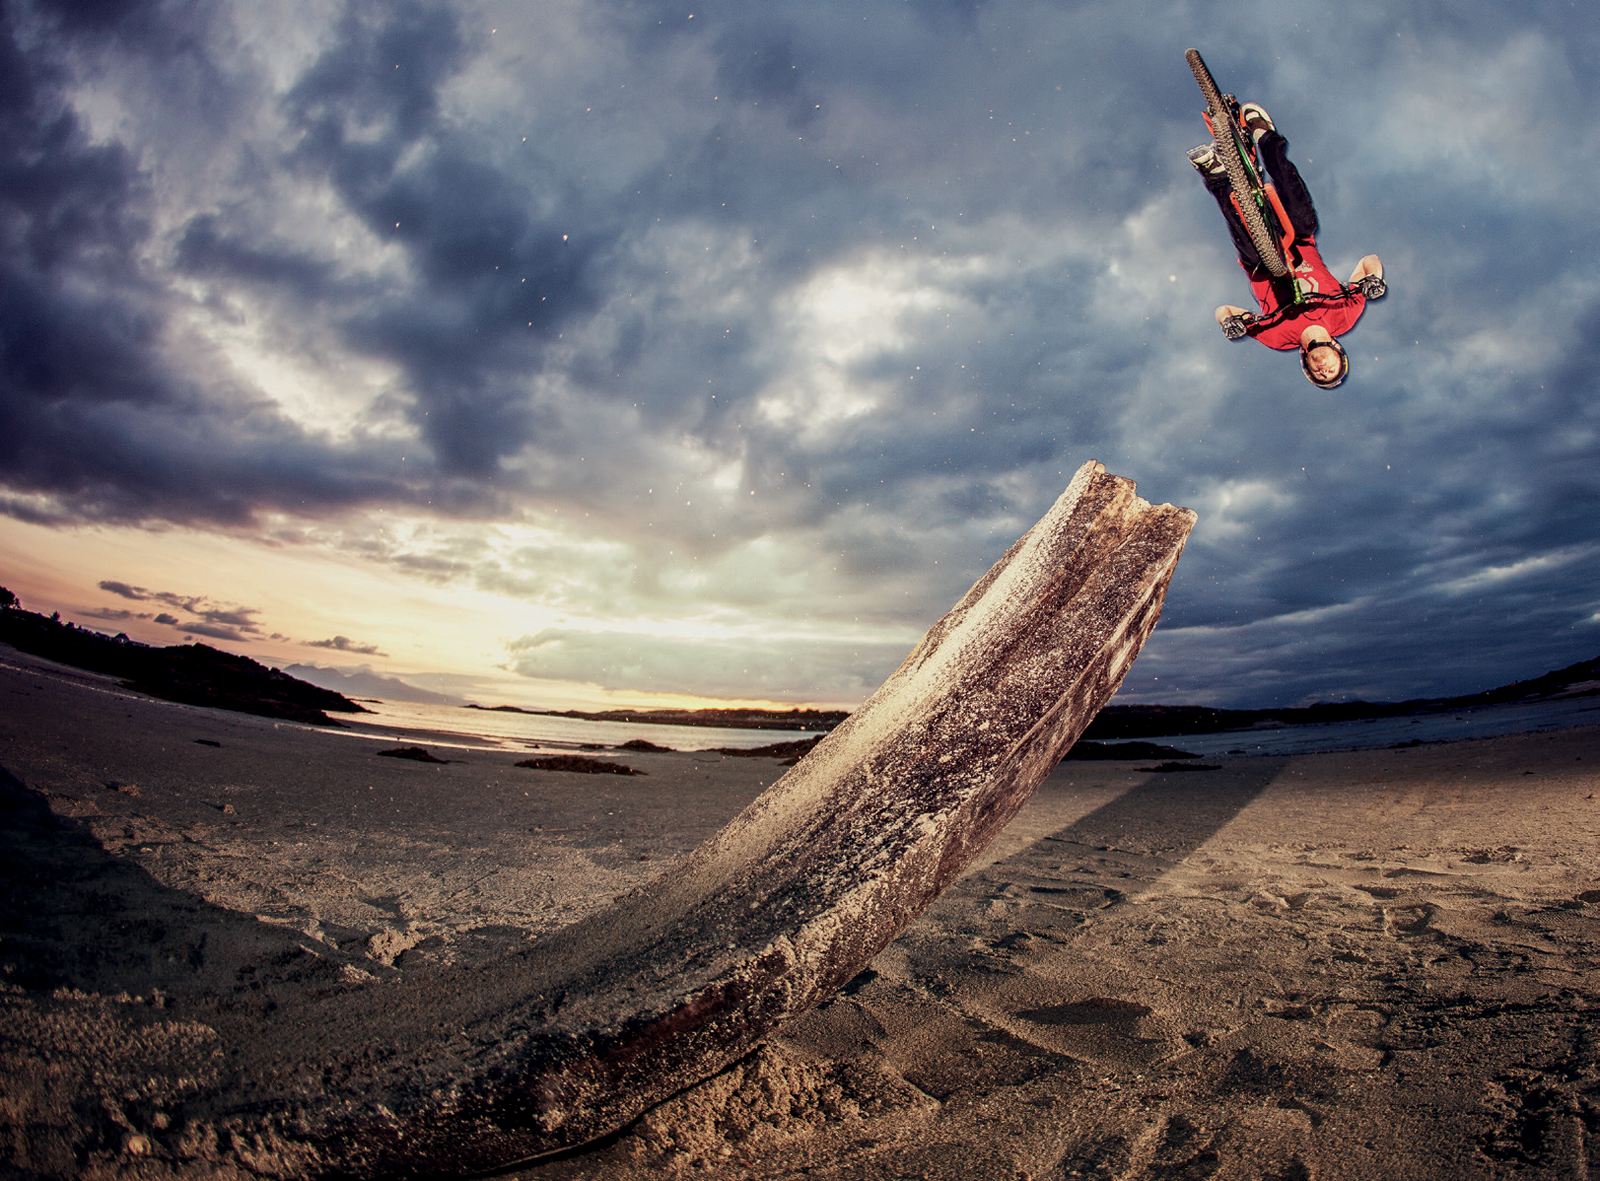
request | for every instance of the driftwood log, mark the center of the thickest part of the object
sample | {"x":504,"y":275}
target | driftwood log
{"x":466,"y":1070}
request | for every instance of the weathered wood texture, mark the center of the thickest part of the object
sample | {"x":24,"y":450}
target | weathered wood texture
{"x":571,"y":1040}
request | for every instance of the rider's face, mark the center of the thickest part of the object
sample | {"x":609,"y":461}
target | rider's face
{"x":1324,"y":363}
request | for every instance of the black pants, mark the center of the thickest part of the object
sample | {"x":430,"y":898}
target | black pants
{"x":1274,"y":153}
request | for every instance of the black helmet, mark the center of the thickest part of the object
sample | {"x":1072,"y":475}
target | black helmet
{"x":1344,"y":363}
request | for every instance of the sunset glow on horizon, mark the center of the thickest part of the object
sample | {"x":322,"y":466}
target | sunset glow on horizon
{"x":441,"y":638}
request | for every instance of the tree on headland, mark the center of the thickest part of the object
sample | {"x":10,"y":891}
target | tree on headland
{"x":8,"y":601}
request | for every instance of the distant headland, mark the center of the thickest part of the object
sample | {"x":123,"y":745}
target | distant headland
{"x":1148,"y":721}
{"x":732,"y":719}
{"x":1134,"y":721}
{"x":194,"y":674}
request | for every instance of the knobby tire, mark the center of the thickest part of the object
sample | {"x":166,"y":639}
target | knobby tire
{"x":1268,"y":248}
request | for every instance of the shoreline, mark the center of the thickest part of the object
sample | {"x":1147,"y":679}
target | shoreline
{"x":1270,"y":732}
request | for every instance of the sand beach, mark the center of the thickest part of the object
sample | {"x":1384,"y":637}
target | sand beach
{"x":1359,"y":964}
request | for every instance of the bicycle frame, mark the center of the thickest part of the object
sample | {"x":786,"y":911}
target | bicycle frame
{"x":1262,"y":190}
{"x":1264,"y":217}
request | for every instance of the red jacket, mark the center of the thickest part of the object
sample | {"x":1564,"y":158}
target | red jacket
{"x":1329,"y":303}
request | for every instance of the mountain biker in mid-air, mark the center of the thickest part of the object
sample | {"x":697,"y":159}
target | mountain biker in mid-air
{"x":1326,"y":309}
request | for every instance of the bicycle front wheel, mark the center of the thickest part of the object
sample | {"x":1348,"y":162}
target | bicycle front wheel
{"x":1251,"y":196}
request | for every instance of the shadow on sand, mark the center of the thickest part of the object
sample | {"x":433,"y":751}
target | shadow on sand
{"x":1123,"y":847}
{"x":74,"y":915}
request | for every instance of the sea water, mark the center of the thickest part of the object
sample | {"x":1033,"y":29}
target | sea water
{"x":488,"y":729}
{"x":483,"y":729}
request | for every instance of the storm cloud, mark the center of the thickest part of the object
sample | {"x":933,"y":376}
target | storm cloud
{"x":744,"y":342}
{"x":219,"y":621}
{"x":345,"y":644}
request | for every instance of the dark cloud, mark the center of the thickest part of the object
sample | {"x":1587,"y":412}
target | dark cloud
{"x":137,"y":593}
{"x":384,"y":67}
{"x":345,"y":644}
{"x":75,"y":322}
{"x":206,"y":617}
{"x":241,"y":619}
{"x":111,"y":614}
{"x":209,"y":250}
{"x":501,"y":256}
{"x":759,"y":61}
{"x":132,"y":22}
{"x":215,"y":631}
{"x":99,"y":412}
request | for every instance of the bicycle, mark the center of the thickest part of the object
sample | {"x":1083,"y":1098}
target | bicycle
{"x":1254,"y":196}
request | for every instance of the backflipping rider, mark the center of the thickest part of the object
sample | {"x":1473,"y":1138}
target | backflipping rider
{"x":1329,"y":309}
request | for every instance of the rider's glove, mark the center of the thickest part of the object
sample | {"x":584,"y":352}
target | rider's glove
{"x":1372,"y":286}
{"x":1237,"y":326}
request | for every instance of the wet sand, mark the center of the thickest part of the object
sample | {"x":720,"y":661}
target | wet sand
{"x":1354,"y":965}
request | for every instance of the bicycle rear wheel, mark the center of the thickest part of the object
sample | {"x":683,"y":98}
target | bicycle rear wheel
{"x":1251,"y":197}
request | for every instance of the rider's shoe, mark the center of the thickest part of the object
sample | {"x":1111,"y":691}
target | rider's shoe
{"x":1205,"y":160}
{"x":1255,"y":117}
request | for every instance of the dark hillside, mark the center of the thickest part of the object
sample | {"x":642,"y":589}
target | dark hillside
{"x":194,"y":674}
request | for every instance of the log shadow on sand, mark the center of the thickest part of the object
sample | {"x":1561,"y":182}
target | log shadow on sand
{"x":996,"y":991}
{"x":108,"y":976}
{"x":1147,"y":831}
{"x":1119,"y":850}
{"x":1002,"y":988}
{"x":76,"y":916}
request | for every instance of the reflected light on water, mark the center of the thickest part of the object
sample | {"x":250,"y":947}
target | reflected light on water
{"x":488,"y":729}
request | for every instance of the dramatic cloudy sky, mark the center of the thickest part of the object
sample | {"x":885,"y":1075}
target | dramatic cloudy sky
{"x":569,"y":350}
